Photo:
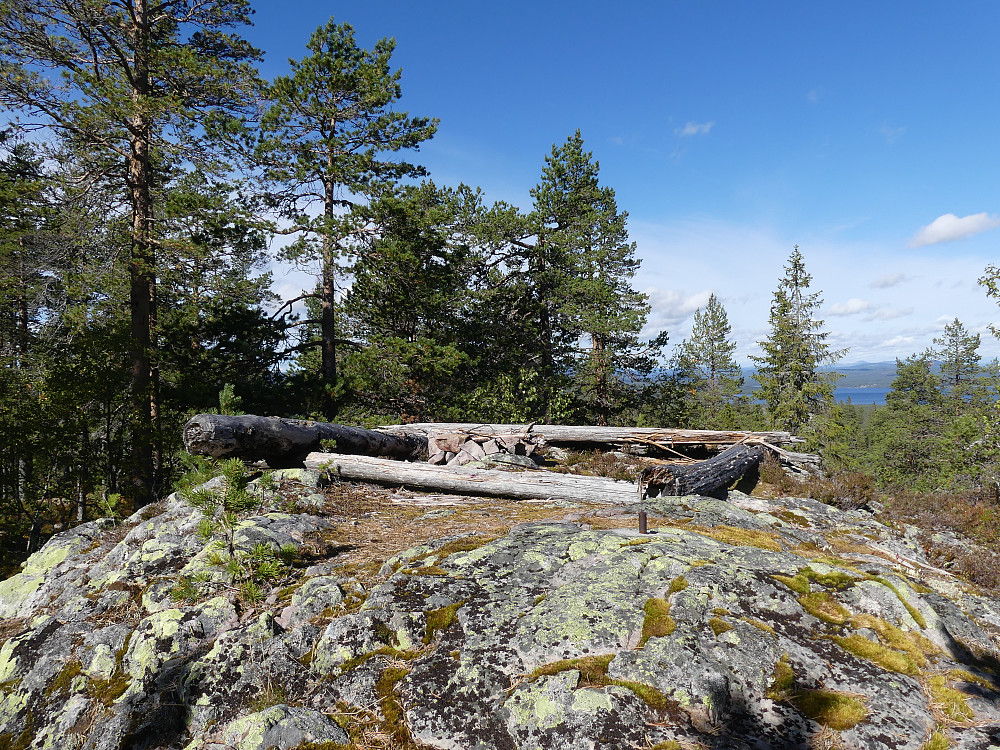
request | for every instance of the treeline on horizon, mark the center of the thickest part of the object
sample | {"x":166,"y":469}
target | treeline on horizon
{"x":147,"y":169}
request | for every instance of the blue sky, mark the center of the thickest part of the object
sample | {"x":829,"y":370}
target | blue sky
{"x":864,"y":132}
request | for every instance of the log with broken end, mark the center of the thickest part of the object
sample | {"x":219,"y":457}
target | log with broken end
{"x":525,"y":485}
{"x":710,"y":477}
{"x":283,"y":442}
{"x":619,"y":437}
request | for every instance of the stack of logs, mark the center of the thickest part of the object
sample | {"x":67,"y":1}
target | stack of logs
{"x":460,"y":448}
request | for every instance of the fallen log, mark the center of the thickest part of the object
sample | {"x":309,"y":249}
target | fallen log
{"x":287,"y":441}
{"x":527,"y":485}
{"x":665,"y":439}
{"x":710,"y":477}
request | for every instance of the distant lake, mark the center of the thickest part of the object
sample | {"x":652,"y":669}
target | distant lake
{"x":861,"y":395}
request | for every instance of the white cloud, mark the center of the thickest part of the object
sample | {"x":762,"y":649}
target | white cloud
{"x":891,"y":134}
{"x":889,"y":280}
{"x":694,"y":128}
{"x":853,"y":306}
{"x":950,"y":227}
{"x":897,"y":341}
{"x":888,"y":314}
{"x":671,"y":307}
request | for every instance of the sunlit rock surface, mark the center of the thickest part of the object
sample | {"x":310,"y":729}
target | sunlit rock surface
{"x":740,"y":624}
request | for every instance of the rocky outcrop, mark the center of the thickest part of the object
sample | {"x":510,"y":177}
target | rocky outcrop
{"x":740,"y":624}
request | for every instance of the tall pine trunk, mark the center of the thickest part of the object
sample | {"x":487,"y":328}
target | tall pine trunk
{"x":328,"y":319}
{"x":142,"y":268}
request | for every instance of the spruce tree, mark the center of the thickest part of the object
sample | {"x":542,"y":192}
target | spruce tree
{"x":788,"y":370}
{"x":958,"y":353}
{"x":706,"y":366}
{"x":328,"y":137}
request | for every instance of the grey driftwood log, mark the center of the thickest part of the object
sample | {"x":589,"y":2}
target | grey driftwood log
{"x":463,"y":480}
{"x":287,"y":441}
{"x":619,"y":437}
{"x":710,"y":477}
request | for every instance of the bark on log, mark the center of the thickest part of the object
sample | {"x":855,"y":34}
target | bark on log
{"x":283,"y":442}
{"x":710,"y":477}
{"x":526,"y":485}
{"x":619,"y":437}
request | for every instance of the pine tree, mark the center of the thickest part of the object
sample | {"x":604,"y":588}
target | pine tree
{"x":137,"y":85}
{"x":327,"y":139}
{"x":788,"y":369}
{"x":706,"y":366}
{"x":575,"y":278}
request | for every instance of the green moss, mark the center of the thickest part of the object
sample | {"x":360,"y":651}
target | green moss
{"x":658,"y":622}
{"x":914,"y":612}
{"x":393,"y":723}
{"x":741,"y":537}
{"x":429,"y":570}
{"x":793,"y":518}
{"x":782,"y":680}
{"x":952,"y":702}
{"x":835,"y":579}
{"x":937,"y":741}
{"x":441,"y":619}
{"x":759,"y":625}
{"x":593,"y":669}
{"x":915,"y":645}
{"x":835,"y":710}
{"x":963,"y":675}
{"x":110,"y":690}
{"x":594,"y":673}
{"x":885,"y":657}
{"x":799,"y":583}
{"x":62,"y":682}
{"x":824,"y":607}
{"x":383,"y":633}
{"x":668,"y":745}
{"x":678,"y":584}
{"x":23,"y":741}
{"x":719,"y":626}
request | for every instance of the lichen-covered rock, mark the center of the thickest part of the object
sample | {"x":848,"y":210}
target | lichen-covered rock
{"x":741,"y":624}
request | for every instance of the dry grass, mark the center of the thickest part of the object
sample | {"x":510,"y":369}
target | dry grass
{"x":376,"y":523}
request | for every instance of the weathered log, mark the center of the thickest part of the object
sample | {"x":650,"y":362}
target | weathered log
{"x":526,"y":485}
{"x":619,"y":437}
{"x":287,"y":441}
{"x":710,"y":477}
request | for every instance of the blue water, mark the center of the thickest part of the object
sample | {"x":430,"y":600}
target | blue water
{"x":861,"y":395}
